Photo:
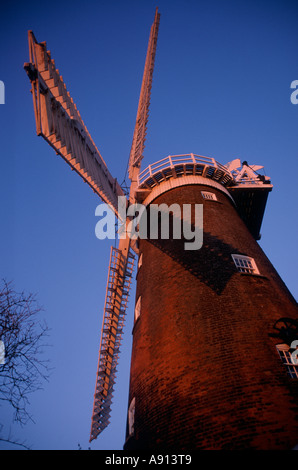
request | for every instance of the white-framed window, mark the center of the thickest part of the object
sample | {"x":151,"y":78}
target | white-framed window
{"x":285,"y":356}
{"x":140,"y":262}
{"x":138,"y":308}
{"x":209,"y":195}
{"x":131,"y":417}
{"x":245,"y":264}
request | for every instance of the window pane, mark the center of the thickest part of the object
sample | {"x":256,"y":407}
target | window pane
{"x":245,"y":264}
{"x":285,"y":355}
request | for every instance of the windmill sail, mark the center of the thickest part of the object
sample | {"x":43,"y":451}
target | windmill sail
{"x":121,"y":263}
{"x":59,"y":122}
{"x":118,"y":287}
{"x":139,"y":136}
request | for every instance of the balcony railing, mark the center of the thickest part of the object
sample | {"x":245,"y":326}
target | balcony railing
{"x":175,"y":166}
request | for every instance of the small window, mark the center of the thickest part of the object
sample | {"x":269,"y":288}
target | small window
{"x":140,"y":260}
{"x":131,"y":417}
{"x":286,"y":358}
{"x":245,"y":264}
{"x":138,"y":308}
{"x":208,"y":195}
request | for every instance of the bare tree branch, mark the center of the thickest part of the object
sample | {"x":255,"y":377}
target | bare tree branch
{"x":12,"y":441}
{"x":22,"y":334}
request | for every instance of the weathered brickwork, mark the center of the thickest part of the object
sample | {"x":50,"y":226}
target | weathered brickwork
{"x":205,"y":373}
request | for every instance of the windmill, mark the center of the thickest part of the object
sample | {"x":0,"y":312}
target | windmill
{"x":180,"y":393}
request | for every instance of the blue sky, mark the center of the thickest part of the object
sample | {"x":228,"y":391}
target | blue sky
{"x":221,"y":88}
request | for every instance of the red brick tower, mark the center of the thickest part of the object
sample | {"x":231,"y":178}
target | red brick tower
{"x":211,"y":359}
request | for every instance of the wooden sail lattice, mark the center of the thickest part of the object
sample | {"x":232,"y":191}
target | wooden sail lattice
{"x":118,"y":286}
{"x":139,"y":136}
{"x":59,"y":122}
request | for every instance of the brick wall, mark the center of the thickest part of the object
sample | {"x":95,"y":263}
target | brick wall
{"x":205,"y":373}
